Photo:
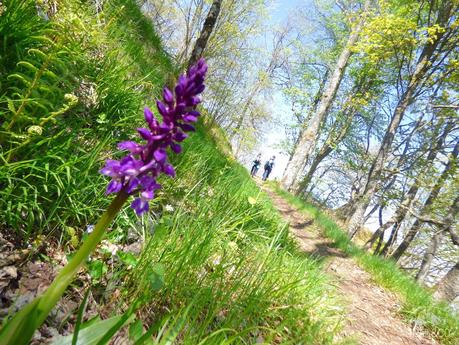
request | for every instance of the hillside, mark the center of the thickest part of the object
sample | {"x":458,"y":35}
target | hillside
{"x":214,"y":260}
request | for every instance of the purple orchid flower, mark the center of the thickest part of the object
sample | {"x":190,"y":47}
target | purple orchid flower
{"x":137,"y":172}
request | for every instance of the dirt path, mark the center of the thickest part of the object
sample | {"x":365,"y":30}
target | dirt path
{"x":371,"y":311}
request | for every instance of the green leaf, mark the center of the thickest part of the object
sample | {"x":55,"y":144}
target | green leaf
{"x":252,"y":201}
{"x":11,"y":106}
{"x":156,"y":276}
{"x":81,"y":310}
{"x":97,"y":269}
{"x":90,"y":335}
{"x":135,"y":331}
{"x":27,"y":65}
{"x":127,"y":258}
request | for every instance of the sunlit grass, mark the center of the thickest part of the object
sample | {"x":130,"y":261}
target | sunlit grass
{"x":230,"y":262}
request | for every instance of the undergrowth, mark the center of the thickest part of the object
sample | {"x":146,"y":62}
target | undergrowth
{"x":418,"y":303}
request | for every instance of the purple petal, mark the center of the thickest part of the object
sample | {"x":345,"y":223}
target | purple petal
{"x":158,"y":137}
{"x":179,"y":90}
{"x":148,"y":115}
{"x":150,"y":166}
{"x":147,"y":194}
{"x":140,"y":206}
{"x":161,"y":108}
{"x":114,"y":186}
{"x":186,"y":127}
{"x":176,"y":147}
{"x":169,"y":170}
{"x":149,"y":183}
{"x":131,"y":146}
{"x":180,"y":108}
{"x":196,"y":100}
{"x":190,"y":118}
{"x":168,"y":96}
{"x":111,"y":168}
{"x":179,"y":136}
{"x":166,"y":127}
{"x":191,"y":86}
{"x":201,"y":62}
{"x":199,"y":89}
{"x":160,"y":155}
{"x":144,"y":133}
{"x":133,"y":183}
{"x":193,"y":101}
{"x":131,"y":167}
{"x":192,"y":70}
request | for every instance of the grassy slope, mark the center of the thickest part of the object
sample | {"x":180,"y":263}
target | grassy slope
{"x":418,"y":304}
{"x":232,"y":275}
{"x":230,"y":261}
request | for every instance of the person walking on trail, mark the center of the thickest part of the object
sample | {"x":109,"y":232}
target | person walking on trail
{"x":256,"y":165}
{"x":269,"y":165}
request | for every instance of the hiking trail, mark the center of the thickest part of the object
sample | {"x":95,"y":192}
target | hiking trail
{"x":371,"y":311}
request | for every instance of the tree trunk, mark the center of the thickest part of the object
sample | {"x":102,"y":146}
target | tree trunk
{"x":411,"y":234}
{"x":337,"y":134}
{"x":425,"y":61}
{"x":448,"y":287}
{"x":206,"y":31}
{"x":429,"y":255}
{"x":391,"y":240}
{"x":323,"y":153}
{"x":312,"y":110}
{"x":309,"y":134}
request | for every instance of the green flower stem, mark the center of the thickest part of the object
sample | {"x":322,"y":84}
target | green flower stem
{"x":21,"y":328}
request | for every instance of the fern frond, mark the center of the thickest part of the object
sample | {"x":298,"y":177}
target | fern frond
{"x":28,"y":65}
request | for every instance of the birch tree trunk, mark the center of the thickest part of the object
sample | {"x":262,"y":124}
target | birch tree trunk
{"x":411,"y":234}
{"x":309,"y":135}
{"x":206,"y":31}
{"x":423,"y":65}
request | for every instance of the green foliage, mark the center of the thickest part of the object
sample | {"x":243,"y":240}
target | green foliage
{"x":418,"y":304}
{"x":71,"y":87}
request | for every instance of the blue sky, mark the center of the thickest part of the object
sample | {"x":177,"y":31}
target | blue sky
{"x":279,"y":12}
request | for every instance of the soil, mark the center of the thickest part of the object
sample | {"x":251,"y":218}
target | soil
{"x":372,"y":316}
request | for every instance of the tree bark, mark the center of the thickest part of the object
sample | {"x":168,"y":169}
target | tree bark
{"x":448,"y":287}
{"x":206,"y":31}
{"x":309,"y":134}
{"x":425,"y":61}
{"x":391,"y":240}
{"x":411,"y":234}
{"x":429,"y":255}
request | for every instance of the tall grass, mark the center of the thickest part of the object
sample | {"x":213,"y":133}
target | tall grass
{"x":418,"y":304}
{"x":229,"y":261}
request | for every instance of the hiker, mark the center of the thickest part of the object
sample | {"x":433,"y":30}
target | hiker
{"x":256,"y":165}
{"x":269,"y":165}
